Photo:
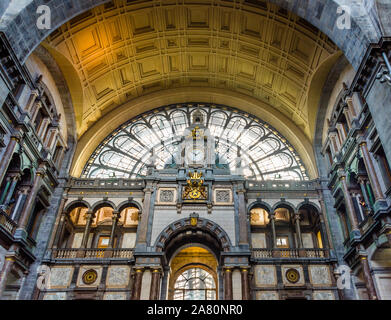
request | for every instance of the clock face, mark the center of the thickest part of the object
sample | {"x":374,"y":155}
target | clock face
{"x":196,"y":155}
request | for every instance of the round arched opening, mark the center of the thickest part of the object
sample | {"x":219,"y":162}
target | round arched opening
{"x":193,"y":274}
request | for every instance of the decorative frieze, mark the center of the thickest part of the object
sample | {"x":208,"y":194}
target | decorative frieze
{"x":265,"y":275}
{"x":222,"y":196}
{"x":118,"y":276}
{"x":167,"y":196}
{"x":60,"y":277}
{"x":292,"y":275}
{"x":319,"y":275}
{"x":83,"y":276}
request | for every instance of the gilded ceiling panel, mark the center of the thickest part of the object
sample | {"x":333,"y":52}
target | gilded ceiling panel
{"x":125,"y":50}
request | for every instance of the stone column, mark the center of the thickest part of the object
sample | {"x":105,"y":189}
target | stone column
{"x":348,"y":202}
{"x":155,"y":284}
{"x":352,"y":109}
{"x":272,"y":218}
{"x":143,"y":227}
{"x":362,"y":183}
{"x":42,"y":130}
{"x":335,"y":142}
{"x":138,"y":278}
{"x":60,"y":231}
{"x":372,"y":175}
{"x":368,"y":277}
{"x":31,"y":198}
{"x":245,"y":284}
{"x":89,"y":218}
{"x":228,"y":283}
{"x":324,"y":223}
{"x":31,"y":101}
{"x":34,"y":111}
{"x":116,"y":217}
{"x":348,"y":117}
{"x":60,"y":222}
{"x":243,"y":228}
{"x":323,"y":232}
{"x":7,"y":266}
{"x":298,"y":230}
{"x":4,"y":193}
{"x":7,"y":156}
{"x":11,"y":190}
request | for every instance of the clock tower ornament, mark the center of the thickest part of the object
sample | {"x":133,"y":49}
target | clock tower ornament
{"x":198,"y":149}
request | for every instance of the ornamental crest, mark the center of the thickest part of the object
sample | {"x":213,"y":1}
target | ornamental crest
{"x":195,"y":190}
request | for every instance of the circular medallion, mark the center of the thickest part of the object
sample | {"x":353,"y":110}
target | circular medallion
{"x":89,"y":277}
{"x":292,"y":275}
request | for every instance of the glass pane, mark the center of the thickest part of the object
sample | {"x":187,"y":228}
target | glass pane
{"x":264,"y":154}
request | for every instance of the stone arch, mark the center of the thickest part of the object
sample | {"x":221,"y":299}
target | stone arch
{"x":321,"y":14}
{"x":103,"y":203}
{"x":309,"y":203}
{"x":128,"y":203}
{"x":284,"y":204}
{"x":205,"y":228}
{"x":260,"y":204}
{"x":62,"y":85}
{"x":76,"y":203}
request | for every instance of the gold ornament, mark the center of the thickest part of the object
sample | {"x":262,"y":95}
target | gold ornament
{"x":292,"y":275}
{"x":90,"y":276}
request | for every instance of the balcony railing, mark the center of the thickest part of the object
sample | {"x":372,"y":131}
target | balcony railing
{"x":7,"y":223}
{"x":92,"y":253}
{"x":290,"y":253}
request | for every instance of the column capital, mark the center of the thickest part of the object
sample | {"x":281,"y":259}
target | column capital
{"x":341,"y":175}
{"x":227,"y":269}
{"x":16,"y":136}
{"x":271,"y":215}
{"x":296,"y":216}
{"x":40,"y":172}
{"x":157,"y":270}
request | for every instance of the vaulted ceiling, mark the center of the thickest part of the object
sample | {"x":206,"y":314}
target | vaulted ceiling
{"x":126,"y":49}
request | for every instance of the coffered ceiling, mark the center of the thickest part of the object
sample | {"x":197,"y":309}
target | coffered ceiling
{"x":126,"y":49}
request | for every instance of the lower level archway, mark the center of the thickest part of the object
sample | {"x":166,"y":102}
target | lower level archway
{"x":193,"y":274}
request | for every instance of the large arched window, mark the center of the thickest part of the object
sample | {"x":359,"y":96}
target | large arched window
{"x":265,"y":154}
{"x":195,"y":284}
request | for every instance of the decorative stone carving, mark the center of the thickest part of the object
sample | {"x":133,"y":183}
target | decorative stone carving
{"x":223,"y":196}
{"x":166,"y":196}
{"x":60,"y":277}
{"x":265,"y":275}
{"x":118,"y":276}
{"x":82,"y":272}
{"x":319,"y":275}
{"x":90,"y":276}
{"x":287,"y":272}
{"x":323,"y":295}
{"x":267,"y":295}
